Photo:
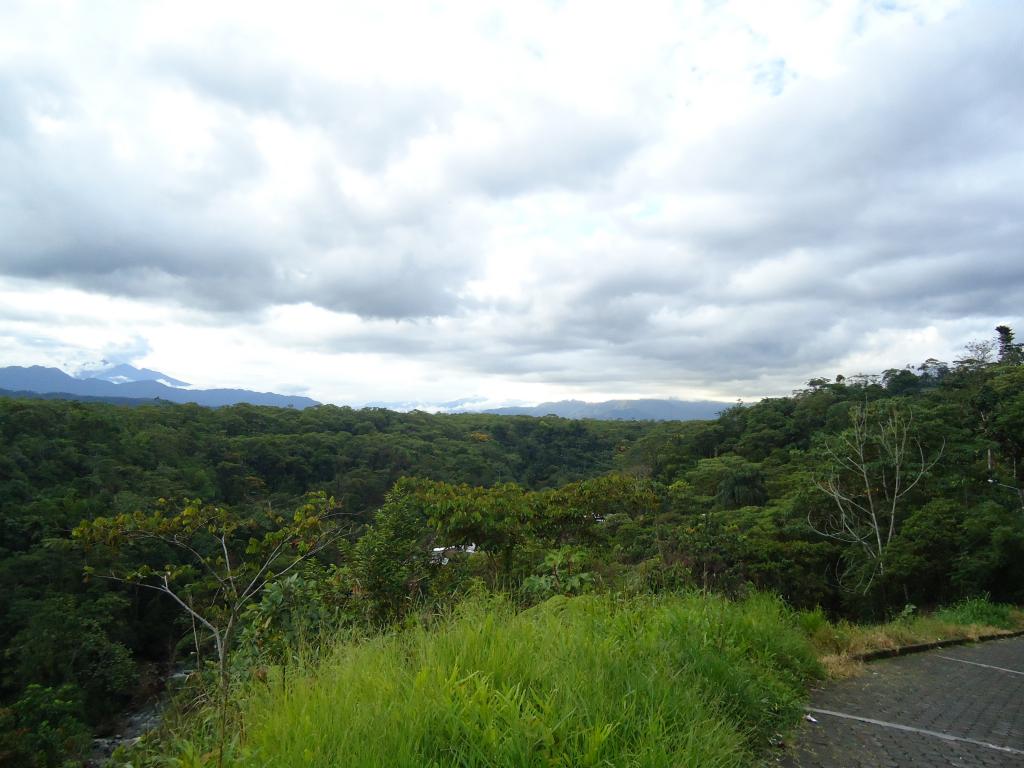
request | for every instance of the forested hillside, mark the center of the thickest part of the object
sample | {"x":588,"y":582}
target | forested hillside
{"x":861,"y":495}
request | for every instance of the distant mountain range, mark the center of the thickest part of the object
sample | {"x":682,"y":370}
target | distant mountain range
{"x":629,"y":410}
{"x":134,"y":383}
{"x":649,"y":409}
{"x":122,"y":373}
{"x":127,"y":385}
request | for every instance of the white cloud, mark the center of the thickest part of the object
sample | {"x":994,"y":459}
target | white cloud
{"x":402,"y":201}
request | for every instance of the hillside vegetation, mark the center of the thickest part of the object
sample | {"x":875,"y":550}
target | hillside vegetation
{"x":866,"y":497}
{"x":587,"y":681}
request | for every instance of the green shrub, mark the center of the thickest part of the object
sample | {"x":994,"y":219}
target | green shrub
{"x":978,"y":610}
{"x":43,"y":729}
{"x":686,"y":680}
{"x":812,"y":622}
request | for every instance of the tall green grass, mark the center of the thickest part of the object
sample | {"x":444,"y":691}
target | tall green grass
{"x":588,"y":681}
{"x":979,"y":611}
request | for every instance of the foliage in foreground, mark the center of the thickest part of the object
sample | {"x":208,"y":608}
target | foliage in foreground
{"x":593,"y":680}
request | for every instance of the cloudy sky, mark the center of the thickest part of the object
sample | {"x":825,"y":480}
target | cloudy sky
{"x":520,"y":201}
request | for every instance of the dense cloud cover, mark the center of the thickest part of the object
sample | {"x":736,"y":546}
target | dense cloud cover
{"x":405,"y":201}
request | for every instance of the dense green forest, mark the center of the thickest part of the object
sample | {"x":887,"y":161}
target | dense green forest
{"x":861,"y":495}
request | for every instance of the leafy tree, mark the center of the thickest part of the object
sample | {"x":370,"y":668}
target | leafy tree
{"x":496,"y":520}
{"x":291,"y":611}
{"x":391,"y":563}
{"x":922,"y":558}
{"x":62,"y":643}
{"x":43,"y":729}
{"x":229,"y":561}
{"x":992,"y":556}
{"x":571,"y":513}
{"x":1009,"y":352}
{"x":741,"y":488}
{"x":900,"y":381}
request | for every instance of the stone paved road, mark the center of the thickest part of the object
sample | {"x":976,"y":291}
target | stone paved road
{"x":952,"y":713}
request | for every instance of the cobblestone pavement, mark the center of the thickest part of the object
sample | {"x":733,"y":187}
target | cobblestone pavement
{"x":957,"y":706}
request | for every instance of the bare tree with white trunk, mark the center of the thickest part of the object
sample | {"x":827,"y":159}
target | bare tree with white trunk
{"x":868,"y":470}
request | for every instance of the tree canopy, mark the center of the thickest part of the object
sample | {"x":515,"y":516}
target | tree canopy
{"x":913,"y":475}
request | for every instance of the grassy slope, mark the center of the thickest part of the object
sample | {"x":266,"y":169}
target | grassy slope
{"x":675,"y":681}
{"x":684,"y":680}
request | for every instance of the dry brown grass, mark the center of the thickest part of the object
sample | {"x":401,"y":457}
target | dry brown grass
{"x":839,"y":666}
{"x":841,"y":645}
